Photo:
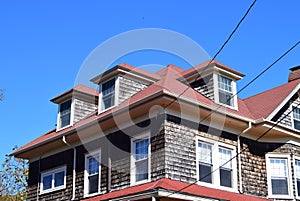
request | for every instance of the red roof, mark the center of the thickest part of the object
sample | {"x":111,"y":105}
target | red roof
{"x":78,"y":88}
{"x":177,"y":187}
{"x":263,"y":104}
{"x":168,"y":83}
{"x":202,"y":66}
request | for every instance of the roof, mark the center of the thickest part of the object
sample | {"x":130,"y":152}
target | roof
{"x":79,"y":88}
{"x":173,"y":186}
{"x":168,"y":84}
{"x":263,"y":104}
{"x":203,"y":66}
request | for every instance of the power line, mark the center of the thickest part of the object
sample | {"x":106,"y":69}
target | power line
{"x":255,"y":78}
{"x":263,"y":134}
{"x":218,"y":52}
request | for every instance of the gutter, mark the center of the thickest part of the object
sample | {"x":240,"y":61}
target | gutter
{"x":74,"y":167}
{"x":239,"y":155}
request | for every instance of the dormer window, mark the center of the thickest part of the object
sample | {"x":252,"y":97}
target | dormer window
{"x":108,"y":89}
{"x":296,"y":117}
{"x":225,"y":90}
{"x":65,"y":114}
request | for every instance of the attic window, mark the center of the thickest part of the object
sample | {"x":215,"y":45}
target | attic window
{"x":65,"y":114}
{"x":225,"y":87}
{"x":296,"y":117}
{"x":108,"y":94}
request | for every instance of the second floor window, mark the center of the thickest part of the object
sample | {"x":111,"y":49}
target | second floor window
{"x":296,"y":118}
{"x":141,"y":162}
{"x":108,"y":94}
{"x":65,"y":114}
{"x":225,"y":90}
{"x":215,"y":164}
{"x":92,"y":173}
{"x":278,"y":176}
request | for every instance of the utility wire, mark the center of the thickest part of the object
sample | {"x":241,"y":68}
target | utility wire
{"x":255,"y":78}
{"x":218,"y":52}
{"x":262,"y":135}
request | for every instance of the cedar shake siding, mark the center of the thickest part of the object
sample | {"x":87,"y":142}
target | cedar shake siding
{"x":285,"y":115}
{"x":83,"y":108}
{"x":205,"y":86}
{"x":129,"y":87}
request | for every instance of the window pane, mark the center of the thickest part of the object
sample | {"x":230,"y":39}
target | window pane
{"x":65,"y":120}
{"x":205,"y":173}
{"x":93,"y":183}
{"x":225,"y":158}
{"x":65,"y":107}
{"x":205,"y":152}
{"x":108,"y":87}
{"x":108,"y":101}
{"x":225,"y":177}
{"x":278,"y":167}
{"x":224,"y":83}
{"x":298,"y":187}
{"x":59,"y":179}
{"x":279,"y":186}
{"x":93,"y":165}
{"x":225,"y":98}
{"x":141,"y":170}
{"x":296,"y":113}
{"x":47,"y":182}
{"x":141,"y":149}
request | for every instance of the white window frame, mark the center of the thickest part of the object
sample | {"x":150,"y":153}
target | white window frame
{"x":133,"y":160}
{"x":233,"y":87}
{"x":292,"y":116}
{"x":269,"y":176}
{"x":216,"y":164}
{"x":58,"y":123}
{"x":86,"y":174}
{"x":53,"y":172}
{"x":295,"y":177}
{"x":116,"y":95}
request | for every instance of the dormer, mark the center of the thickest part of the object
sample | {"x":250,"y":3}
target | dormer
{"x":74,"y":105}
{"x":216,"y":81}
{"x":120,"y":83}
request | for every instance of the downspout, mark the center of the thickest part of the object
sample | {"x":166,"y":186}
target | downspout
{"x":74,"y":167}
{"x":239,"y":156}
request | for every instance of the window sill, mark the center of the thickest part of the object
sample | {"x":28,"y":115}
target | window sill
{"x":140,"y":182}
{"x":280,"y":197}
{"x":92,"y":194}
{"x":104,"y":110}
{"x":52,"y":190}
{"x":59,"y":129}
{"x":230,"y":189}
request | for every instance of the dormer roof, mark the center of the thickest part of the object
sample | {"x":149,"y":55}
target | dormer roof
{"x":76,"y":91}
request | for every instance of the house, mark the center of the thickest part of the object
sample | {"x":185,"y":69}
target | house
{"x":171,"y":135}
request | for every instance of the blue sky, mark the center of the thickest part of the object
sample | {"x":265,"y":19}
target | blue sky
{"x":43,"y":45}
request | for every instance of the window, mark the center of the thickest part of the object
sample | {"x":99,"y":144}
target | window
{"x":215,"y":166}
{"x":205,"y":162}
{"x":65,"y":114}
{"x":297,"y":176}
{"x":53,"y":180}
{"x":92,"y":174}
{"x":278,"y":176}
{"x":225,"y":90}
{"x":296,"y":117}
{"x":140,"y":160}
{"x":108,"y":94}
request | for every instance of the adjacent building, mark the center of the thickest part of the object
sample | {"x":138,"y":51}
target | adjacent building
{"x":171,"y":135}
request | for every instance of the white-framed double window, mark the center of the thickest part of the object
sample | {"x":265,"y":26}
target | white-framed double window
{"x":108,"y":94}
{"x":216,"y":165}
{"x":92,"y":173}
{"x":278,"y":175}
{"x":140,"y":159}
{"x":64,"y":114}
{"x":296,"y":117}
{"x":53,"y":180}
